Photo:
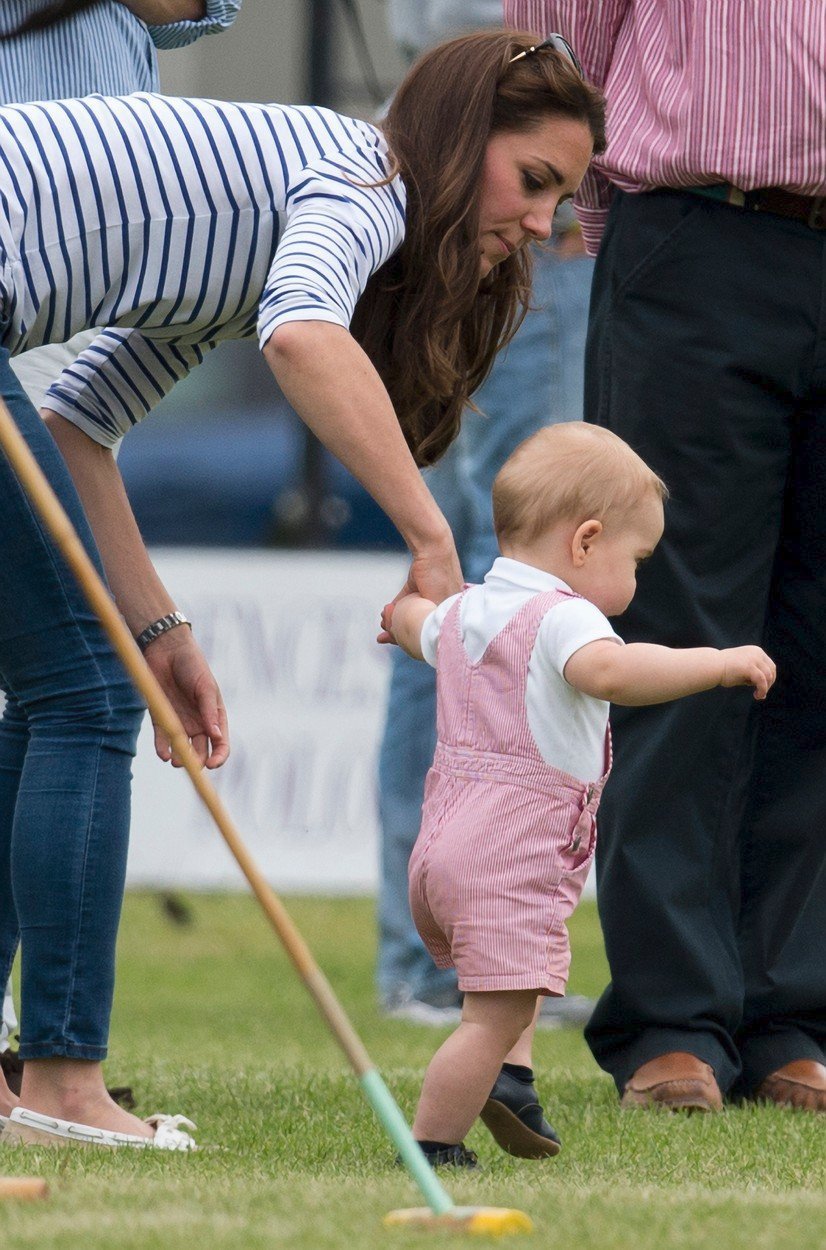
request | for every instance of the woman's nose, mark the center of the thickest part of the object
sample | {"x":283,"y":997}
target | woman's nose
{"x":538,"y":224}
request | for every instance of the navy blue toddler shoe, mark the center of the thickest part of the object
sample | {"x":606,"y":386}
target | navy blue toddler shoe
{"x":443,"y":1155}
{"x":451,"y":1157}
{"x":515,"y":1118}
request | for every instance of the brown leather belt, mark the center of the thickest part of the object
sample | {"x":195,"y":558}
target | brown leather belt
{"x":810,"y":209}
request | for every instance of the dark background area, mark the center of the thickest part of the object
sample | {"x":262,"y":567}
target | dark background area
{"x":224,"y":461}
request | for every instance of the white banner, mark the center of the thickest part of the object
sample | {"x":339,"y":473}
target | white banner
{"x":291,"y":639}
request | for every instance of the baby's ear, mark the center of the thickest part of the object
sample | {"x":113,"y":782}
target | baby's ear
{"x":584,"y":537}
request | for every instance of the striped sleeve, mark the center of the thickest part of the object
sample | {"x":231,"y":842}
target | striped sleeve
{"x":118,"y":379}
{"x":591,"y":27}
{"x":219,"y":15}
{"x":338,"y":231}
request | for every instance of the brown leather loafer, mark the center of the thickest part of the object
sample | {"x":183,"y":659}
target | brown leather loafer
{"x":676,"y":1081}
{"x":800,"y":1084}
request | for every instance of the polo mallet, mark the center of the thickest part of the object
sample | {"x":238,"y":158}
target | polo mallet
{"x":440,"y":1208}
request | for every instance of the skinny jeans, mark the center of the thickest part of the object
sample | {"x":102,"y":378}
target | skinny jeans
{"x":707,"y":353}
{"x":67,"y":738}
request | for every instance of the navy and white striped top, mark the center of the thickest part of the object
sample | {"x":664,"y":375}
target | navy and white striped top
{"x":104,"y":49}
{"x":177,"y":223}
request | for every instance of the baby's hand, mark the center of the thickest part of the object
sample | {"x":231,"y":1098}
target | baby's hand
{"x":386,"y":634}
{"x":748,"y":666}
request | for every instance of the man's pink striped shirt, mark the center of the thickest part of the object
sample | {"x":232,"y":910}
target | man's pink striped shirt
{"x":699,"y":92}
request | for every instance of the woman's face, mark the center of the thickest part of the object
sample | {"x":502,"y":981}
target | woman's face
{"x":526,"y":174}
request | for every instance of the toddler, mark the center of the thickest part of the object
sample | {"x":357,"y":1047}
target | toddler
{"x":527,"y":664}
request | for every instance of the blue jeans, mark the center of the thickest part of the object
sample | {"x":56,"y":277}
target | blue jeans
{"x":536,"y":381}
{"x":67,"y":738}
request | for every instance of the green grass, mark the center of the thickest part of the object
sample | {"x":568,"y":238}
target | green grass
{"x":210,"y":1020}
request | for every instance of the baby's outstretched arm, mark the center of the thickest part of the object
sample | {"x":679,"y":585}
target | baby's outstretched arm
{"x":643,"y":673}
{"x":404,"y":620}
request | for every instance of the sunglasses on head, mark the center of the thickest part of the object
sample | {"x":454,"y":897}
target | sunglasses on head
{"x":559,"y":44}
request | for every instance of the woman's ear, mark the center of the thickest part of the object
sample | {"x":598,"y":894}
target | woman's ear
{"x":583,"y":541}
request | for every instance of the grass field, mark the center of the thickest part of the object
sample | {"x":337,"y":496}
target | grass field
{"x":211,"y":1021}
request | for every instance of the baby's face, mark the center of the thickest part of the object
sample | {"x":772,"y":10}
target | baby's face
{"x":609,"y":575}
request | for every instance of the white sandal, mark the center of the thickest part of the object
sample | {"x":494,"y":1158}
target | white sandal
{"x":33,"y":1129}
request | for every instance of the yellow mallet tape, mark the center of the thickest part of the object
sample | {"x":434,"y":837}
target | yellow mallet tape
{"x":27,"y":1188}
{"x":487,"y":1221}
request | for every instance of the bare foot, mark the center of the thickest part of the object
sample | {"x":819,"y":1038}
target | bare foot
{"x":73,"y":1089}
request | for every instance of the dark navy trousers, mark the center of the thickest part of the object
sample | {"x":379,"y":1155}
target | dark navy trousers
{"x":707,"y":353}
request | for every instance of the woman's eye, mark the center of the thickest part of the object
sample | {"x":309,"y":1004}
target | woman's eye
{"x":532,"y":183}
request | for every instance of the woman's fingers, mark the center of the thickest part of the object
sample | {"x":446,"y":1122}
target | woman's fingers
{"x":217,"y":737}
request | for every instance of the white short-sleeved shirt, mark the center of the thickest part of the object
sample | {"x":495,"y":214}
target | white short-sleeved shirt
{"x":568,"y":726}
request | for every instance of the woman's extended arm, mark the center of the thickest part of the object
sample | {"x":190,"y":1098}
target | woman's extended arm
{"x":174,"y":657}
{"x":643,"y":673}
{"x":335,"y":390}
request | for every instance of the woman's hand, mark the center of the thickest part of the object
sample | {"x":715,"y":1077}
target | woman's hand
{"x":179,"y":665}
{"x":435,"y":574}
{"x":174,"y":657}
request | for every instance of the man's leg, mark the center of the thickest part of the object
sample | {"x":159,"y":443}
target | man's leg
{"x":783,"y":914}
{"x":695,"y":356}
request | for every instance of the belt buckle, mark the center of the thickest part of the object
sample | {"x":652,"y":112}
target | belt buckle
{"x":817,"y":214}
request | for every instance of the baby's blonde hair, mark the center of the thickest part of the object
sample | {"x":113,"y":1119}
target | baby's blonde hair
{"x":569,"y":472}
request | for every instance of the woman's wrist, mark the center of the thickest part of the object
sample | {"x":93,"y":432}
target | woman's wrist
{"x":159,"y":627}
{"x":429,"y":540}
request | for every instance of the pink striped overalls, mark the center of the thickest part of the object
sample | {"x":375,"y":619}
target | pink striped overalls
{"x":506,"y":840}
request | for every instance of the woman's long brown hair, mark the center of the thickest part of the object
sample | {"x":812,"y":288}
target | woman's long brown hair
{"x":428,"y":323}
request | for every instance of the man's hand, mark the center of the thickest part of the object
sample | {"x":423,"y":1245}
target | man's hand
{"x":162,"y":12}
{"x":179,"y":665}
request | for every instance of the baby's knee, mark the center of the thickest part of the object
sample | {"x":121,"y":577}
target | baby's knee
{"x":508,"y":1012}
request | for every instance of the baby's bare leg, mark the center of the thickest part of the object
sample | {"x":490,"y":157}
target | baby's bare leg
{"x":522,"y":1052}
{"x":462,"y":1072}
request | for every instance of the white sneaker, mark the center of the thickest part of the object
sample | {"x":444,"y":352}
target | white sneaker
{"x":573,"y":1012}
{"x":417,"y":1011}
{"x":33,"y":1129}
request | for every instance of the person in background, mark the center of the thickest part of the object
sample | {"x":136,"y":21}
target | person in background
{"x":707,"y":353}
{"x":110,"y":49}
{"x":535,"y":381}
{"x":525,"y":665}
